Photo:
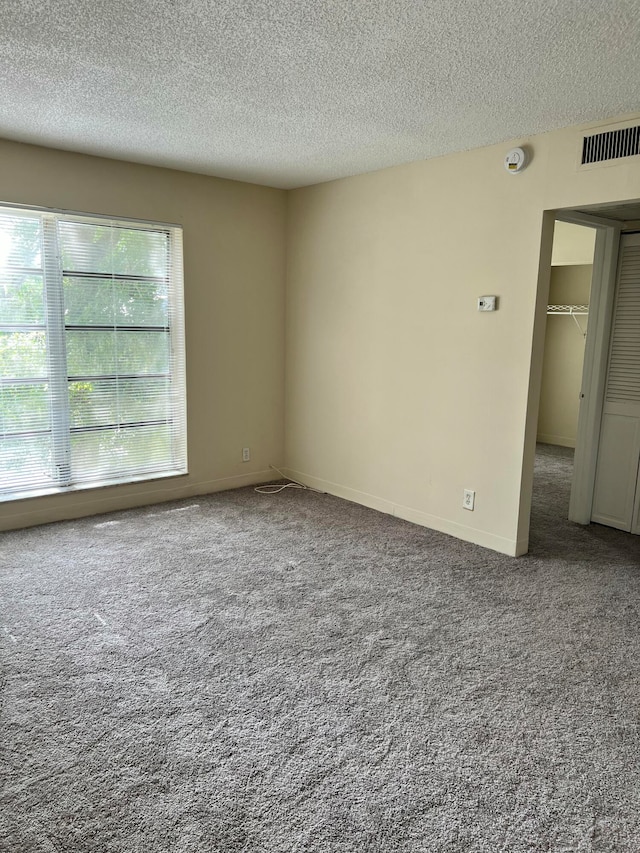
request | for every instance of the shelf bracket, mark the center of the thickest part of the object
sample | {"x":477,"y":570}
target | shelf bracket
{"x":577,"y":322}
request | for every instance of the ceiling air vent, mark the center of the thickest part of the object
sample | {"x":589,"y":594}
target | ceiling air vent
{"x":611,"y":145}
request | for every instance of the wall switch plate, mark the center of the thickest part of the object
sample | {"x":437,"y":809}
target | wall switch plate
{"x":246,"y":454}
{"x":487,"y":303}
{"x":469,"y":499}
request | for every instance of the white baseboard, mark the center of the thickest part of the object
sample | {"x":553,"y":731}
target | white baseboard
{"x":69,"y":505}
{"x":561,"y":440}
{"x":469,"y":534}
{"x":81,"y":504}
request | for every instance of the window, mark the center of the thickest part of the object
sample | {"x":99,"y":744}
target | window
{"x":92,"y":387}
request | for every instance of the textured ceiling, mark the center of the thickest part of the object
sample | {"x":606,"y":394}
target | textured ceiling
{"x":293,"y":92}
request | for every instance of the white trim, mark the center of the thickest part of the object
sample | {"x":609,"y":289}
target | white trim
{"x":576,"y":217}
{"x":443,"y":525}
{"x":27,"y":208}
{"x":535,"y":381}
{"x":45,"y":491}
{"x":100,"y":504}
{"x":605,"y":264}
{"x":178,"y":355}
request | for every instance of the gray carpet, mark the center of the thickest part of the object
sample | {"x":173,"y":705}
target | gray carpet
{"x":297,"y":674}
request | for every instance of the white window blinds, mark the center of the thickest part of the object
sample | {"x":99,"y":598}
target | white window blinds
{"x":92,"y":387}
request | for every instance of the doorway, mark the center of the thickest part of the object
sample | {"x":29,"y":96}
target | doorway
{"x":608,"y":222}
{"x":567,"y":318}
{"x":566,"y":332}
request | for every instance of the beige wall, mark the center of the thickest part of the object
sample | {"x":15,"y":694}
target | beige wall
{"x":234,"y":312}
{"x":572,"y":244}
{"x":563,"y":356}
{"x":399,"y":394}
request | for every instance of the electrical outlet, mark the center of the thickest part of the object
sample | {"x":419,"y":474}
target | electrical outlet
{"x":469,"y":499}
{"x":246,"y":454}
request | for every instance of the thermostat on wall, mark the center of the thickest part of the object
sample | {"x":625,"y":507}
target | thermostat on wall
{"x":515,"y":161}
{"x":486,"y":303}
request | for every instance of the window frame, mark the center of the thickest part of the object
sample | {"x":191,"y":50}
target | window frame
{"x":58,"y":376}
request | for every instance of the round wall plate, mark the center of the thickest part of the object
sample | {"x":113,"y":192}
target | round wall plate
{"x":515,"y":161}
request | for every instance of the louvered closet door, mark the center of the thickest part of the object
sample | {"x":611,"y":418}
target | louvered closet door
{"x":617,"y":495}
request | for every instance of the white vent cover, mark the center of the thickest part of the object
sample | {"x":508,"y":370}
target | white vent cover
{"x":610,"y":145}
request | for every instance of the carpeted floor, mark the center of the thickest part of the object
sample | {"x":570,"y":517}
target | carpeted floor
{"x":297,"y":674}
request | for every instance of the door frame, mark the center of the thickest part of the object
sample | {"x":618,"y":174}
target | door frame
{"x":596,"y":355}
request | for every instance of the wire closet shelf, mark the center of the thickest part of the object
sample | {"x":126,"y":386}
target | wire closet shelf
{"x":574,"y":311}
